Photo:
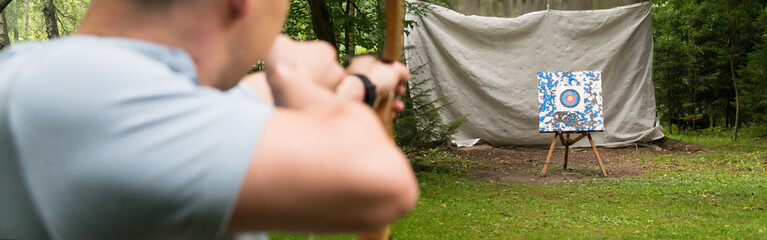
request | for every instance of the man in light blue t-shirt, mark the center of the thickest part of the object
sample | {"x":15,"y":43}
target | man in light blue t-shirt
{"x":139,"y":127}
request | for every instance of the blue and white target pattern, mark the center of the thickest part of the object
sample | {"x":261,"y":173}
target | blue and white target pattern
{"x":570,"y":101}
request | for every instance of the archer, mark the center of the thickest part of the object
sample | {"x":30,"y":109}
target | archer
{"x":139,"y":126}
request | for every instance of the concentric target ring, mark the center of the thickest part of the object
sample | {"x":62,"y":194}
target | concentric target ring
{"x":570,"y":98}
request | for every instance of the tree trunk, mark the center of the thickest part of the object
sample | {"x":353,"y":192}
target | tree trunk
{"x":349,"y":30}
{"x":49,"y":13}
{"x":668,"y":91}
{"x":3,"y":4}
{"x":321,"y":22}
{"x":4,"y":40}
{"x":734,"y":83}
{"x":13,"y":30}
{"x":693,"y":82}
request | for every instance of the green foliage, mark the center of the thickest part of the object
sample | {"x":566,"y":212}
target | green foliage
{"x":364,"y":24}
{"x":420,"y":125}
{"x":716,"y":137}
{"x":758,"y":130}
{"x":298,"y":24}
{"x":25,"y":18}
{"x":695,"y":43}
{"x":755,"y":78}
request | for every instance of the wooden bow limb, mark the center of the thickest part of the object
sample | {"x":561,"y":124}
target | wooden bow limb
{"x":392,"y":52}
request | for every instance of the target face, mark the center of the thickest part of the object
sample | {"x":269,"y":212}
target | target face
{"x":569,"y":99}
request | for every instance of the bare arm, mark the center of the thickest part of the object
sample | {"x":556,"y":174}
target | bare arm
{"x":257,"y":81}
{"x":336,"y":174}
{"x":324,"y":163}
{"x":350,"y":87}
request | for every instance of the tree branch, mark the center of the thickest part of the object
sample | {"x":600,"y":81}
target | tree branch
{"x":3,"y":4}
{"x":63,"y":27}
{"x":359,"y":11}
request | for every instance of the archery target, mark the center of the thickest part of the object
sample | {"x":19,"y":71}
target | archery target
{"x":569,"y":99}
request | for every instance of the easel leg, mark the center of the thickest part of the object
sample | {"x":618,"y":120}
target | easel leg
{"x":567,"y":150}
{"x":548,"y":157}
{"x":604,"y":173}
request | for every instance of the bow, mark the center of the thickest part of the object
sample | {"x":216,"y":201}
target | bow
{"x":392,"y":52}
{"x":394,"y":10}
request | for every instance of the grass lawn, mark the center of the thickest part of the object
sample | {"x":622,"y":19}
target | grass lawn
{"x":720,"y":194}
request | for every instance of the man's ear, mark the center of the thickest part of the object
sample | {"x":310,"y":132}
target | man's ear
{"x":238,"y":8}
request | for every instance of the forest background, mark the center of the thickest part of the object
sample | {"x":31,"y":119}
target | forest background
{"x":710,"y":56}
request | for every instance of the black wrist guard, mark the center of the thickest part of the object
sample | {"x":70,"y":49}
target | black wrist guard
{"x":370,"y":90}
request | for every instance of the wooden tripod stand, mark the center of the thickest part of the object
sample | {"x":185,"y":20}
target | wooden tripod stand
{"x":567,"y":141}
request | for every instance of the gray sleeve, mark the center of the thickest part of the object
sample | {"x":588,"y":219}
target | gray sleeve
{"x":117,"y":153}
{"x":244,"y":91}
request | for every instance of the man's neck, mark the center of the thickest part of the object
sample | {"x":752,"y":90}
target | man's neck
{"x":174,"y":28}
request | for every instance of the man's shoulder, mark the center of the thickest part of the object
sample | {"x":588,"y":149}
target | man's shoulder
{"x":90,"y":68}
{"x":90,"y":77}
{"x":78,"y":54}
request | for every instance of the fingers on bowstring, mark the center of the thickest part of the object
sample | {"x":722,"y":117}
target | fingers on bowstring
{"x":400,"y":89}
{"x":398,"y":106}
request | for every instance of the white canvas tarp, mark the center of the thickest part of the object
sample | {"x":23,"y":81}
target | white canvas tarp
{"x":488,"y":66}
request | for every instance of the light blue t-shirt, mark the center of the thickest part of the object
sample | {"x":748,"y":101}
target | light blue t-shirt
{"x":113,"y":138}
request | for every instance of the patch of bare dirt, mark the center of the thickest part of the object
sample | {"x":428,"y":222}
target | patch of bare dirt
{"x":524,"y":165}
